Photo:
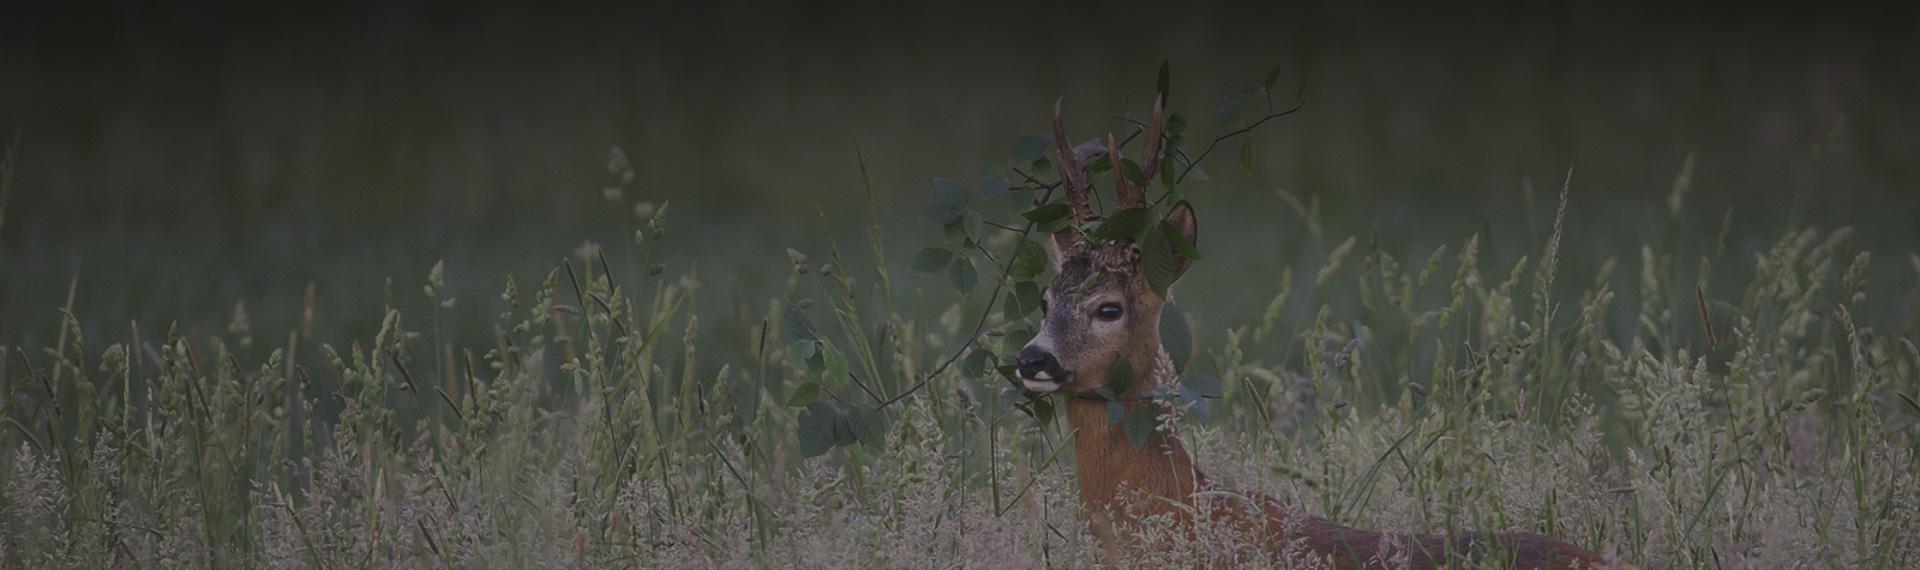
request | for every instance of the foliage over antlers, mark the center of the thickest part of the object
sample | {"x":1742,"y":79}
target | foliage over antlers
{"x":1130,"y":184}
{"x":1069,"y":218}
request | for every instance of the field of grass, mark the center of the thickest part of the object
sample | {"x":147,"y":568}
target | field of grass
{"x":1678,"y":388}
{"x":345,"y":290}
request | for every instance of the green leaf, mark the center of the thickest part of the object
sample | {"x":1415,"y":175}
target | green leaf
{"x":1134,"y":173}
{"x":794,"y":326}
{"x":843,"y":431}
{"x":952,"y":190}
{"x":1043,"y":411}
{"x":1120,"y":377}
{"x":1099,"y":164}
{"x":1198,"y":173}
{"x":836,"y":362}
{"x":942,"y":211}
{"x":1207,"y":385}
{"x":972,"y":225}
{"x":1124,"y":224}
{"x":1046,"y":213}
{"x":804,"y":396}
{"x":867,"y":427}
{"x":816,"y":428}
{"x":975,"y":365}
{"x":1165,"y":80}
{"x":1197,"y":405}
{"x":1028,"y":148}
{"x":1115,"y":411}
{"x":1029,"y":260}
{"x":962,"y":274}
{"x":1230,"y":111}
{"x":1158,"y":263}
{"x":1023,"y":301}
{"x":1246,"y":156}
{"x":993,"y":185}
{"x":804,"y":350}
{"x":1020,"y":195}
{"x":1056,"y":225}
{"x":1273,"y":77}
{"x":1016,"y":339}
{"x":1176,"y":124}
{"x":1141,"y":423}
{"x":932,"y":260}
{"x":1176,"y":337}
{"x":1179,"y":240}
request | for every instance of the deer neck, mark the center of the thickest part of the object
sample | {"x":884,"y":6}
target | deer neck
{"x":1112,"y":469}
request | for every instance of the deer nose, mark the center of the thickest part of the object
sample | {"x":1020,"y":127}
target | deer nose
{"x":1038,"y":364}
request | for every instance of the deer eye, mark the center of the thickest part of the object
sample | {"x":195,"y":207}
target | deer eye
{"x":1108,"y":312}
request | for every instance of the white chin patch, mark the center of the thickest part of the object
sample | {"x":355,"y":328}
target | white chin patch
{"x":1042,"y":386}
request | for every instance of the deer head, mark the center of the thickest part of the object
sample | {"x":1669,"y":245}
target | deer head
{"x":1100,"y":307}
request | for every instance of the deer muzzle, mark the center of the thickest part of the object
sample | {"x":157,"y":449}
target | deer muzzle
{"x":1040,"y":371}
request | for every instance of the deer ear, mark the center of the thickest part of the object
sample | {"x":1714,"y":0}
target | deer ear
{"x":1057,"y":245}
{"x":1182,"y":220}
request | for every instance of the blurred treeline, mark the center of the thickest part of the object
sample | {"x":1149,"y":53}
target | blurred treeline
{"x":178,"y":159}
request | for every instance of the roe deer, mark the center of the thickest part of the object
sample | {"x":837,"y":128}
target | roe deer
{"x":1101,"y":308}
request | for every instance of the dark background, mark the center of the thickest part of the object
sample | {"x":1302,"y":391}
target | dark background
{"x":175,"y":159}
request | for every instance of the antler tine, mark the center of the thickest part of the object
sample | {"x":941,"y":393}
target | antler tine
{"x":1154,"y":128}
{"x":1128,"y":194}
{"x":1133,"y":195}
{"x":1071,"y":176}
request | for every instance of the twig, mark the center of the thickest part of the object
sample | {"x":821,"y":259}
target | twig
{"x":978,"y":325}
{"x":1237,"y":132}
{"x":863,"y":386}
{"x":1000,"y":225}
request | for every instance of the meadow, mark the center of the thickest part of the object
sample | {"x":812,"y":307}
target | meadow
{"x":1689,"y":401}
{"x":1548,"y":306}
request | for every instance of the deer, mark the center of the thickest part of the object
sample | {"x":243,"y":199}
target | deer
{"x":1100,"y":311}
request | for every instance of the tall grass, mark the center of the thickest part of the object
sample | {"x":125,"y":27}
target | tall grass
{"x":1717,"y":423}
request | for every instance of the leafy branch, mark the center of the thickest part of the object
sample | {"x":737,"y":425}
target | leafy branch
{"x":1234,"y":133}
{"x":952,"y":212}
{"x":979,"y":324}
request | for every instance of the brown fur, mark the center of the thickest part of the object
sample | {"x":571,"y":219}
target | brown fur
{"x":1113,"y":470}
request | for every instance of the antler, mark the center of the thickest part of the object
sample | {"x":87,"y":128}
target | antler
{"x":1134,"y":195}
{"x":1130,"y":195}
{"x":1071,"y":175}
